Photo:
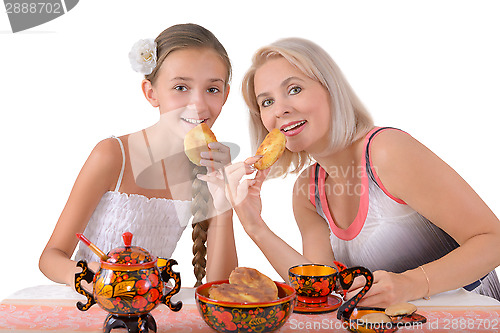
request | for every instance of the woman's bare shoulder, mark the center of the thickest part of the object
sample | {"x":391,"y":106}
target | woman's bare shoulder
{"x":390,"y":144}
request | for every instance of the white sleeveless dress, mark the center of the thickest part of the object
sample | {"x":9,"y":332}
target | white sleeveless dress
{"x":156,"y":223}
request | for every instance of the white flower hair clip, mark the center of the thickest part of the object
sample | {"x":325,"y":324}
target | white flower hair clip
{"x":142,"y":56}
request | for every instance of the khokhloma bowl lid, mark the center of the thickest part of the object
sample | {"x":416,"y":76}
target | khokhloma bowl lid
{"x":128,"y":254}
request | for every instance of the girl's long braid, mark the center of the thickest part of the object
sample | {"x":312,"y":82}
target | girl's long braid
{"x":200,"y":207}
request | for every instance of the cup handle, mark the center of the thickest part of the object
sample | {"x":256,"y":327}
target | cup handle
{"x":87,"y":275}
{"x":340,"y":266}
{"x":166,"y":274}
{"x":338,"y":288}
{"x":346,"y":279}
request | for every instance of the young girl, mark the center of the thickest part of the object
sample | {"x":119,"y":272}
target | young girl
{"x":142,"y":182}
{"x":374,"y":197}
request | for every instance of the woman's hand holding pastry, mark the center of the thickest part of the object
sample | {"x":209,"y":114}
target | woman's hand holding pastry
{"x":244,"y":194}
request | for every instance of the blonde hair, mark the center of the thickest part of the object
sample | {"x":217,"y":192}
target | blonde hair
{"x":350,"y":120}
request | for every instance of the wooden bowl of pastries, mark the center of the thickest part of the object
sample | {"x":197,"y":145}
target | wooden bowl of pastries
{"x":248,"y":302}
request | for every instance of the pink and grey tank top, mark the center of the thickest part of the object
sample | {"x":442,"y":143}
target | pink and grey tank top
{"x":386,"y":234}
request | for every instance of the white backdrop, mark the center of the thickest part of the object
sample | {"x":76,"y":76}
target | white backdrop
{"x":428,"y":67}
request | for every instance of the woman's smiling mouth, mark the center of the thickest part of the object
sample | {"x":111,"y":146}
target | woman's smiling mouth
{"x":293,"y":128}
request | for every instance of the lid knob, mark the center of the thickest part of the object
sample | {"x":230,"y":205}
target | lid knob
{"x":127,"y":238}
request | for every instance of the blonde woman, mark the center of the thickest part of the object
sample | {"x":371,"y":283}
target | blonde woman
{"x":370,"y":196}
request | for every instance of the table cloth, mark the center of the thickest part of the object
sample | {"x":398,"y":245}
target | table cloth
{"x":52,"y":309}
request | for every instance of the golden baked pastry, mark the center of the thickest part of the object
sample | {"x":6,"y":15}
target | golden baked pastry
{"x":246,"y":285}
{"x":401,"y":309}
{"x":375,"y":318}
{"x":196,"y":141}
{"x":228,"y":292}
{"x":254,"y":279}
{"x":271,"y":148}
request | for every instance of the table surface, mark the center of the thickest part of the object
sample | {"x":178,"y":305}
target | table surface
{"x":52,"y":308}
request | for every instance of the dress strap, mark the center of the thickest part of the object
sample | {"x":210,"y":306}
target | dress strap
{"x":119,"y":182}
{"x":152,"y":160}
{"x":147,"y":145}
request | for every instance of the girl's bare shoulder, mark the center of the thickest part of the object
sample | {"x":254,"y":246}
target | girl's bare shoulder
{"x":106,"y":157}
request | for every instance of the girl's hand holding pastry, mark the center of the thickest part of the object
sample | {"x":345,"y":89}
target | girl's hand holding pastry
{"x":215,"y":160}
{"x":217,"y":157}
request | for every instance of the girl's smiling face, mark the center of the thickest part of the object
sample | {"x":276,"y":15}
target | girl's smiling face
{"x":297,"y":105}
{"x":191,"y":88}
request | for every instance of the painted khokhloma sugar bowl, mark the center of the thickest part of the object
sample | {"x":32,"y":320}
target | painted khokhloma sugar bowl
{"x":129,"y":284}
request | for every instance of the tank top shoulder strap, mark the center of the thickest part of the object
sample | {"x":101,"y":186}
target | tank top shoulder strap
{"x":314,"y":195}
{"x":119,"y":182}
{"x":369,"y":167}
